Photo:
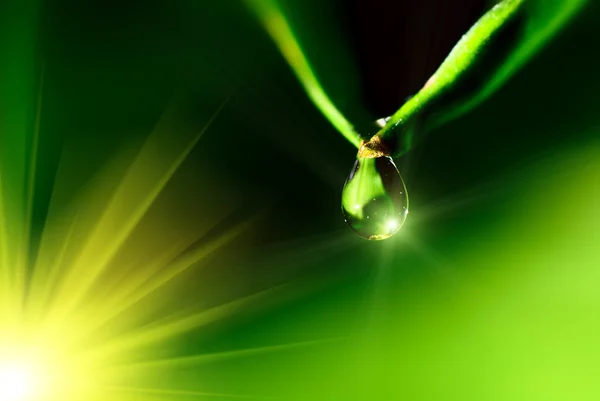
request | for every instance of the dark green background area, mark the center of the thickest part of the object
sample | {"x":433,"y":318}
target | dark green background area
{"x":111,"y":69}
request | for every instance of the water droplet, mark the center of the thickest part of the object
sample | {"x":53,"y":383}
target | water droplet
{"x":374,"y":199}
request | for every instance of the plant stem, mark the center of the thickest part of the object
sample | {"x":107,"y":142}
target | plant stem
{"x":459,"y":66}
{"x":487,"y":55}
{"x":279,"y":29}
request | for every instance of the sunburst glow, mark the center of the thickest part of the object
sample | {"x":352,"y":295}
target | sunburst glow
{"x":93,"y":303}
{"x":18,"y":382}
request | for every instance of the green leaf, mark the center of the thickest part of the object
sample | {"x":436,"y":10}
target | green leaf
{"x":500,"y":43}
{"x":495,"y":47}
{"x":277,"y":25}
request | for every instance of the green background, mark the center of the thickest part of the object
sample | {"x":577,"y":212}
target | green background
{"x":491,"y":291}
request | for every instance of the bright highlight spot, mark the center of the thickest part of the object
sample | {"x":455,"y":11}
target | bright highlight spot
{"x":17,"y":382}
{"x":392,"y":225}
{"x":382,"y":121}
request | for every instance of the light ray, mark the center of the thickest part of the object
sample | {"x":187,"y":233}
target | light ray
{"x":22,"y":254}
{"x":125,"y":210}
{"x":149,"y":281}
{"x":6,"y":281}
{"x":195,"y":360}
{"x":186,"y":393}
{"x":433,"y":258}
{"x":160,"y":332}
{"x":45,"y":278}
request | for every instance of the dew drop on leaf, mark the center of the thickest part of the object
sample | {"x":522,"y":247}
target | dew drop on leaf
{"x":374,"y":198}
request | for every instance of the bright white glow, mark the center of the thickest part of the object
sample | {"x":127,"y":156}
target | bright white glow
{"x":17,"y":382}
{"x":392,"y":225}
{"x":382,"y":121}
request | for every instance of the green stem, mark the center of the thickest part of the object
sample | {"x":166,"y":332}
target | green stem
{"x":461,"y":65}
{"x":275,"y":23}
{"x":485,"y":58}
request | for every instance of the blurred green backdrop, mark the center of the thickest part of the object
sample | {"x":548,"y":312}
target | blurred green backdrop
{"x":490,"y":291}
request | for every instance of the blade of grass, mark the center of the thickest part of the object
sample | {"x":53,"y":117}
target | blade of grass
{"x":275,"y":23}
{"x":485,"y":58}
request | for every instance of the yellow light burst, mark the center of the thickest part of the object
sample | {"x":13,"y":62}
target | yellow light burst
{"x":94,"y":300}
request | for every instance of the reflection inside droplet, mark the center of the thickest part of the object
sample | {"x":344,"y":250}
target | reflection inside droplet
{"x":374,"y":199}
